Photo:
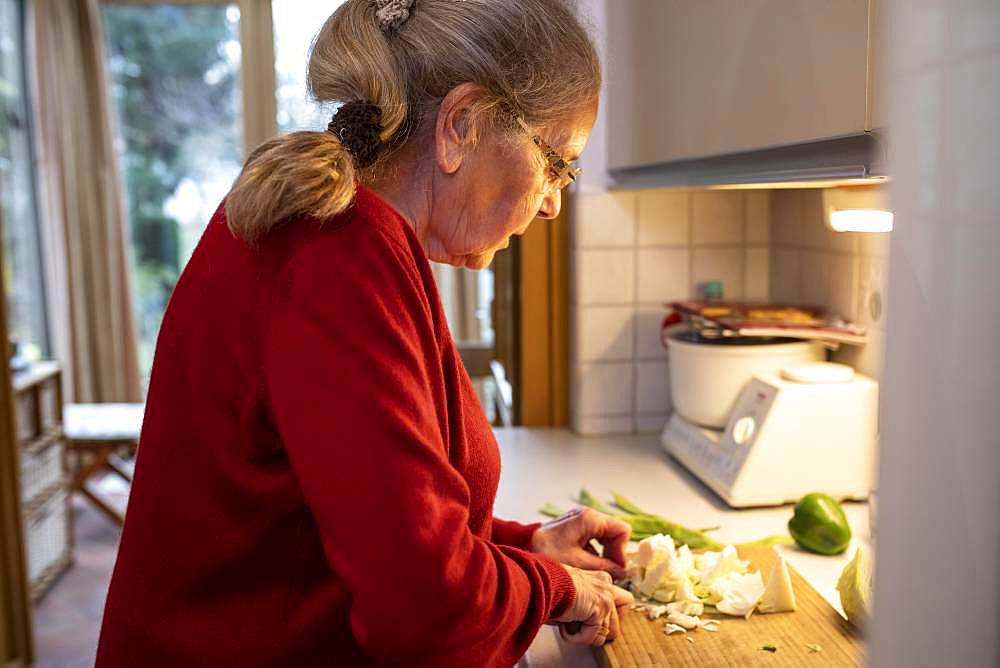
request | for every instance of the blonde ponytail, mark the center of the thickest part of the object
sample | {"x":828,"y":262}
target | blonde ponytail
{"x":298,"y":174}
{"x":312,"y":173}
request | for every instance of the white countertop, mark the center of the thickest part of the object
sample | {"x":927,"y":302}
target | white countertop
{"x":541,"y":465}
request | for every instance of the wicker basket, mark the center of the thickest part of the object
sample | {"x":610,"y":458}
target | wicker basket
{"x":49,"y":546}
{"x":41,"y":471}
{"x":49,"y":406}
{"x":28,"y":427}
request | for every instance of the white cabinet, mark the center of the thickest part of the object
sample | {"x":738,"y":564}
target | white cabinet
{"x":879,"y":43}
{"x":699,"y":78}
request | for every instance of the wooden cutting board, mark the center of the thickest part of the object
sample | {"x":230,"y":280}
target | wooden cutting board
{"x":737,"y":642}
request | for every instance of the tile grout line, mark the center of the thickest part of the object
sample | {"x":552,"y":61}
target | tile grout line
{"x":743,"y":244}
{"x":635,"y":312}
{"x":690,"y":248}
{"x":746,"y":245}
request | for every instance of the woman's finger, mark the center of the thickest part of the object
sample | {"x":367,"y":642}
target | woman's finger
{"x":591,"y":628}
{"x":586,"y":635}
{"x":592,"y":562}
{"x":615,"y":538}
{"x":603,"y":631}
{"x":614,"y":624}
{"x":622,"y":597}
{"x":612,"y":533}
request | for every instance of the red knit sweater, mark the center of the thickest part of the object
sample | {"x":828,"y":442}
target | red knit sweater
{"x":315,"y":479}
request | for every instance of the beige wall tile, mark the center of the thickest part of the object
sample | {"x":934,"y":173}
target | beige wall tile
{"x":598,"y":425}
{"x":717,"y":217}
{"x":842,"y":286}
{"x":719,"y":264}
{"x":843,"y":242}
{"x":664,"y":275}
{"x":815,"y":278}
{"x":664,"y":218}
{"x":873,"y":298}
{"x":605,"y":219}
{"x":786,"y":229}
{"x":652,"y":388}
{"x":757,"y":265}
{"x":813,"y":232}
{"x":874,"y":245}
{"x":605,"y":389}
{"x":867,"y":359}
{"x":758,"y":216}
{"x":647,"y":340}
{"x":798,"y":220}
{"x":652,"y":423}
{"x":605,"y":333}
{"x":605,"y":277}
{"x":786,"y":275}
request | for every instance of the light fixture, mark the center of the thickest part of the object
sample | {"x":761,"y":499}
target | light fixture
{"x":861,"y":220}
{"x":858,"y":209}
{"x":810,"y":184}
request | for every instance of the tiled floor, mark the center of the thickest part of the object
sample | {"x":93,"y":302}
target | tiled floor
{"x":68,"y":618}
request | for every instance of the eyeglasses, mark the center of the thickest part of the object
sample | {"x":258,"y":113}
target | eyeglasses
{"x":562,"y":171}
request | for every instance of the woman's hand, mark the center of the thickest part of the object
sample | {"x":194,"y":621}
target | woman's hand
{"x":593,"y":617}
{"x":567,"y":539}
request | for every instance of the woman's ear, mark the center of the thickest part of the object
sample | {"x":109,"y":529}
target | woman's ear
{"x":455,"y":130}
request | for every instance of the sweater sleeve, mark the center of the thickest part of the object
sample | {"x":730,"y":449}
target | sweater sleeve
{"x":350,"y":362}
{"x":515,"y":534}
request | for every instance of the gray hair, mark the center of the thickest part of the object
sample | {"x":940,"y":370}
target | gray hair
{"x":404,"y":56}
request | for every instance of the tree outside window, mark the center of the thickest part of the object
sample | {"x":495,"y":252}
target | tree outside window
{"x":22,"y":278}
{"x":174,"y":72}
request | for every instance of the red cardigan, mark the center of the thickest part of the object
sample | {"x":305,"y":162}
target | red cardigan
{"x":315,"y":478}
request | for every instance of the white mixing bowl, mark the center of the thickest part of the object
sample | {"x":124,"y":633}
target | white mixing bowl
{"x":707,"y":375}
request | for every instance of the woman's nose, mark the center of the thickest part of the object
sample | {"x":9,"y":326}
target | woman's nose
{"x":551,"y":205}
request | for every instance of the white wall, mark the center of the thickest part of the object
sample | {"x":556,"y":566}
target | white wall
{"x":938,"y":541}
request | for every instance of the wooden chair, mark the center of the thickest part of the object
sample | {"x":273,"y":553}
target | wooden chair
{"x":96,"y":436}
{"x":479,"y":362}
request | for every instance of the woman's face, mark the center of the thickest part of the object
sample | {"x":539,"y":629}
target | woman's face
{"x":500,"y":186}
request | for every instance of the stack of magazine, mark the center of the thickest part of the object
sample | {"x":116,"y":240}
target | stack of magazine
{"x":714,"y":319}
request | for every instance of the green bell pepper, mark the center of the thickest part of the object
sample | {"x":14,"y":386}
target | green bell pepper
{"x":819,"y":525}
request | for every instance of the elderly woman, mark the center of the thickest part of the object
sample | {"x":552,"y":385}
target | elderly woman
{"x":316,"y":477}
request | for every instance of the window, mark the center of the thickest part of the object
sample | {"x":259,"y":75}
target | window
{"x":22,"y":279}
{"x":296,"y":24}
{"x":174,"y":75}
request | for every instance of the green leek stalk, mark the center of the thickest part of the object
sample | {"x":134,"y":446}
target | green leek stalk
{"x":645,"y":524}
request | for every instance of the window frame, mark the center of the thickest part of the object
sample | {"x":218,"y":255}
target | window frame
{"x":257,"y":74}
{"x":45,"y":342}
{"x":16,"y":637}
